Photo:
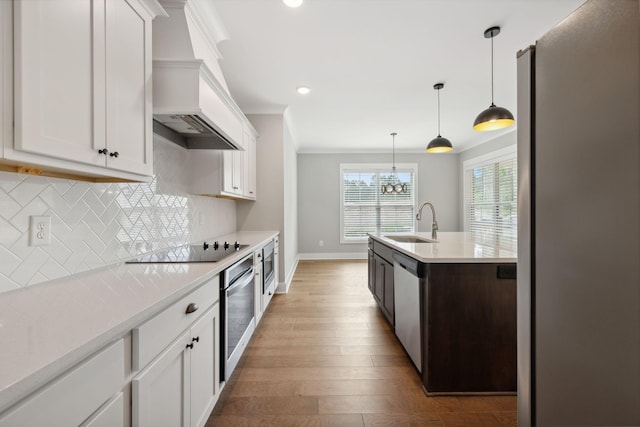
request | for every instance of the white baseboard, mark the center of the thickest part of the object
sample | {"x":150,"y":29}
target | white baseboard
{"x":333,"y":255}
{"x":283,"y":287}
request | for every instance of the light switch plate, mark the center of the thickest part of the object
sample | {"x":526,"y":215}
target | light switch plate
{"x":40,"y":231}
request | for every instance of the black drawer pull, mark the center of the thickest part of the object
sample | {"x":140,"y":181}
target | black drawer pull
{"x":196,"y":339}
{"x":193,"y":307}
{"x":190,"y":345}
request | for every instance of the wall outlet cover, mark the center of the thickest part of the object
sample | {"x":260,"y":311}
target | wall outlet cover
{"x":40,"y":231}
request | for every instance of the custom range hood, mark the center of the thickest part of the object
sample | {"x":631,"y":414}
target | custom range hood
{"x":192,"y":105}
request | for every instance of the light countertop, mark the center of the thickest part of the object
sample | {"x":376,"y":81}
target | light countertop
{"x":47,"y":328}
{"x":454,"y":247}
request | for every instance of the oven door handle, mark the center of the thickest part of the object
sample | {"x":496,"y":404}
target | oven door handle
{"x":244,"y":280}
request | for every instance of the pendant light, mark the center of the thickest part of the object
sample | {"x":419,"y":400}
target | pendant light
{"x":396,"y":187}
{"x":493,"y":117}
{"x":439,"y":144}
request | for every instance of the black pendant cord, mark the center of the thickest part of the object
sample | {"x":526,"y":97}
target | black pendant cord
{"x":492,"y":71}
{"x":393,"y":158}
{"x":394,"y":153}
{"x":438,"y":113}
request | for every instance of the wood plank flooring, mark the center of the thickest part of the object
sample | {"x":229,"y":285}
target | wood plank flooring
{"x":323,"y":355}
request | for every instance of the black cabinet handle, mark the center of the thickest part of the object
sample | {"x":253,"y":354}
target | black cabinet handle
{"x":103,"y":151}
{"x":114,"y":154}
{"x":196,"y":339}
{"x":193,"y":307}
{"x":190,"y":345}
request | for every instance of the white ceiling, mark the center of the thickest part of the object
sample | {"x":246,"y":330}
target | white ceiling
{"x":371,"y":66}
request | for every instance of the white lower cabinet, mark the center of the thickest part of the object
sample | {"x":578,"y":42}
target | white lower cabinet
{"x":111,"y":415}
{"x":268,"y":294}
{"x":85,"y":395}
{"x":257,"y":266}
{"x":181,"y":386}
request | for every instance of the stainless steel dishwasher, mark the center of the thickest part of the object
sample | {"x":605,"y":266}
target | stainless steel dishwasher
{"x":407,"y":275}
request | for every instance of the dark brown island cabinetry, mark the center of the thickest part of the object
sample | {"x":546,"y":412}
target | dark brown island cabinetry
{"x":469,"y":328}
{"x":381,"y":277}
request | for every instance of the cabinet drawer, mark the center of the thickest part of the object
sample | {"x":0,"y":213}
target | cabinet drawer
{"x":72,"y":398}
{"x":266,"y":297}
{"x":150,"y":338}
{"x":384,"y":251}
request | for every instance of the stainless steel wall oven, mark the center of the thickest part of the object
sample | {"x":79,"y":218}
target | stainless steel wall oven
{"x":268,"y":257}
{"x":237,"y":296}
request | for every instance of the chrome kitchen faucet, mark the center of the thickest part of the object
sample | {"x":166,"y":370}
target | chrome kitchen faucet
{"x":434,"y":224}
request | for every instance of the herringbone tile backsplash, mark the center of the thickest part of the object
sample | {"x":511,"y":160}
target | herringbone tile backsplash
{"x":94,"y":225}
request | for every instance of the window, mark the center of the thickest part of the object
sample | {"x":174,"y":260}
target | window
{"x":491,"y":196}
{"x":364,"y":209}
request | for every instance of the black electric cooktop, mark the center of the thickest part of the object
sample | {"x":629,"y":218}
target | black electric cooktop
{"x":192,"y":253}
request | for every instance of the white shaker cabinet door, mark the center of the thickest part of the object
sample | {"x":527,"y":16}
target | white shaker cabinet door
{"x":233,"y":171}
{"x":205,"y":364}
{"x":228,"y":184}
{"x":161,"y":390}
{"x":250,"y":166}
{"x":128,"y":95}
{"x":59,"y":79}
{"x":111,"y":415}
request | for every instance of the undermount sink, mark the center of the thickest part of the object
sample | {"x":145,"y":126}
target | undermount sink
{"x":410,"y":239}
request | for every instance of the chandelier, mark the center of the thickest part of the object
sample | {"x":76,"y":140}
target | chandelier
{"x":394,"y":187}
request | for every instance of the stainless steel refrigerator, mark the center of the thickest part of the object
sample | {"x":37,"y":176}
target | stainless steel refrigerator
{"x":579,"y":220}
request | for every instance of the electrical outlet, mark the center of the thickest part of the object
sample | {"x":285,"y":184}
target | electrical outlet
{"x":40,"y":231}
{"x":321,"y":243}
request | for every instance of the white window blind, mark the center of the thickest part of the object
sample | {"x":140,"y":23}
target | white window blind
{"x":491,"y":197}
{"x":364,"y":209}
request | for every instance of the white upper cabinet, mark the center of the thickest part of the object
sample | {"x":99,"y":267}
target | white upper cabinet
{"x":251,"y":164}
{"x":233,"y":175}
{"x":226,"y":173}
{"x":82,"y":88}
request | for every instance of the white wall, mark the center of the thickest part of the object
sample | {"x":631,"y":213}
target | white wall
{"x":276,"y":204}
{"x":290,"y":255}
{"x":319,"y":197}
{"x":93,"y":225}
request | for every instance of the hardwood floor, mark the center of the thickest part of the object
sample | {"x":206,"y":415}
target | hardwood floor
{"x":323,"y":355}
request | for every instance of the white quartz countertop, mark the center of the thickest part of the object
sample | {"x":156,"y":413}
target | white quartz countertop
{"x":47,"y":328}
{"x":454,"y":247}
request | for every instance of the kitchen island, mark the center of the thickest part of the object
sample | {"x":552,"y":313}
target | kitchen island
{"x":452,"y":304}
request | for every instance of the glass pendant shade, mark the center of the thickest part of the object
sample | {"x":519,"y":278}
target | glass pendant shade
{"x":439,"y":144}
{"x":494,"y":117}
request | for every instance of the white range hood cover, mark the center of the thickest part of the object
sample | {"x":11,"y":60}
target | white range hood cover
{"x":190,"y":94}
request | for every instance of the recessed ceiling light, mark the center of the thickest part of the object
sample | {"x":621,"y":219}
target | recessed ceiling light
{"x":292,"y":3}
{"x":303,"y":90}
